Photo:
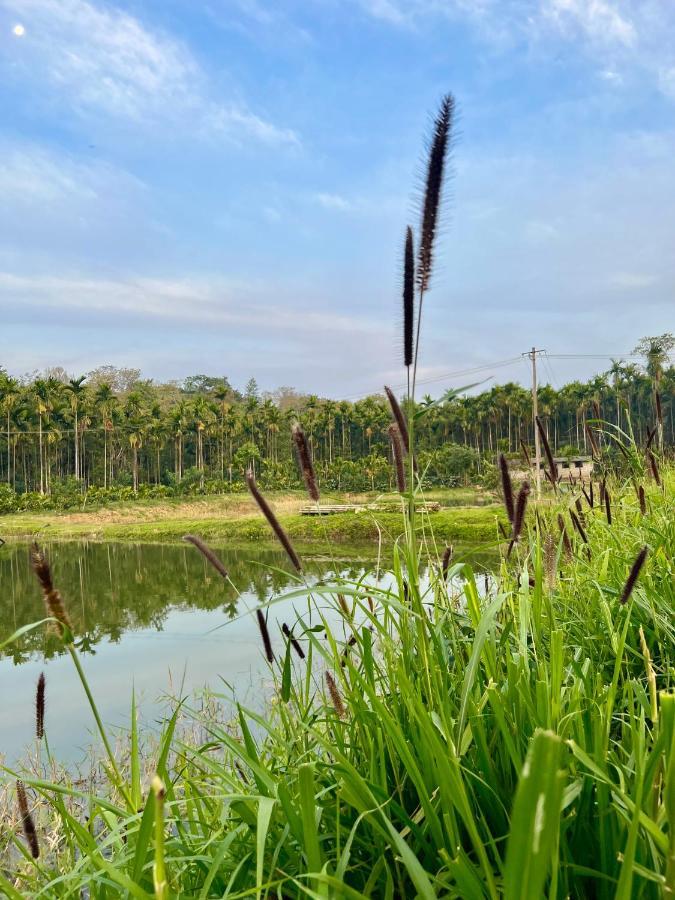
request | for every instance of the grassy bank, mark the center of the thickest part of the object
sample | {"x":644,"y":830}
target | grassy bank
{"x":514,"y":739}
{"x":236,"y":520}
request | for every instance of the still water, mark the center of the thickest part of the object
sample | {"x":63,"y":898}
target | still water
{"x":155,"y":617}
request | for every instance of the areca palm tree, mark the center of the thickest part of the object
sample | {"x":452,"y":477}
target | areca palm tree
{"x":105,"y":401}
{"x":9,"y":400}
{"x":76,"y":390}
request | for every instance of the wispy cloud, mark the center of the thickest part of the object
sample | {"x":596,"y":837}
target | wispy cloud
{"x":198,"y":301}
{"x":100,"y":60}
{"x":596,"y":19}
{"x":332,"y":201}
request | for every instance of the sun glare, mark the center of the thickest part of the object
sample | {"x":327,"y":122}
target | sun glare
{"x":18,"y":30}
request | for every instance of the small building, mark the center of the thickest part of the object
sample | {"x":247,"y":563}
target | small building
{"x":571,"y":468}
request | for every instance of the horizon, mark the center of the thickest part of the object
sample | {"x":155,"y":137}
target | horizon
{"x":180,"y":196}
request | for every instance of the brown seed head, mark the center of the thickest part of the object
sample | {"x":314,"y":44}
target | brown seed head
{"x":207,"y":553}
{"x":27,"y":820}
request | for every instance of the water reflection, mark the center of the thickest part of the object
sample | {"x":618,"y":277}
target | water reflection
{"x":155,"y":617}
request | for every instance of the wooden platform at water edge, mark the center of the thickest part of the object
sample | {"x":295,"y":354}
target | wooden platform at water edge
{"x":331,"y":509}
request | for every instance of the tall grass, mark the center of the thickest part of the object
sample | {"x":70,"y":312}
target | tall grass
{"x":437,"y":737}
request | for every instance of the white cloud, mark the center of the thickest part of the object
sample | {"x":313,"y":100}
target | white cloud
{"x":102,"y":61}
{"x":632,"y":280}
{"x":667,"y":81}
{"x":31,"y":176}
{"x":597,"y":19}
{"x":164,"y":301}
{"x":333,"y":201}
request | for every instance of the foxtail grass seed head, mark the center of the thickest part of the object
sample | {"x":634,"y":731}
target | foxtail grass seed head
{"x":633,"y":576}
{"x":399,"y":418}
{"x":552,"y":467}
{"x":580,"y":510}
{"x":591,"y":493}
{"x":294,"y":643}
{"x":435,"y":173}
{"x":445,"y":562}
{"x":265,"y":635}
{"x":40,"y":707}
{"x":578,"y":526}
{"x":272,"y":520}
{"x":519,"y":515}
{"x":408,"y":297}
{"x":602,"y":492}
{"x":305,"y":461}
{"x":507,"y":487}
{"x":589,"y":498}
{"x":643,"y":500}
{"x":27,"y":820}
{"x":344,"y":606}
{"x":550,"y":559}
{"x":608,"y":507}
{"x":650,"y":437}
{"x":653,"y":467}
{"x":567,"y":544}
{"x":526,"y":453}
{"x":335,"y":697}
{"x":207,"y":553}
{"x":52,"y":598}
{"x":345,"y":650}
{"x":397,"y":450}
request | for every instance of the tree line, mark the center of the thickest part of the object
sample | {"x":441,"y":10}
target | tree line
{"x":111,"y":428}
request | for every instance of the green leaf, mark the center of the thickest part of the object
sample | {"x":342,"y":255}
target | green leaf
{"x":535,"y":819}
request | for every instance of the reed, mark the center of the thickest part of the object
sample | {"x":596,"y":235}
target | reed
{"x":608,"y":507}
{"x":408,"y":298}
{"x":654,"y":467}
{"x":633,"y":576}
{"x":265,"y":635}
{"x":294,"y":642}
{"x":567,"y":544}
{"x":207,"y":553}
{"x":272,"y":520}
{"x":53,"y":600}
{"x":519,"y":515}
{"x":335,"y":697}
{"x":579,"y":528}
{"x":507,"y":488}
{"x":552,"y":467}
{"x":397,"y":452}
{"x":445,"y":562}
{"x":27,"y":821}
{"x":399,"y":418}
{"x":305,"y":462}
{"x":40,"y":707}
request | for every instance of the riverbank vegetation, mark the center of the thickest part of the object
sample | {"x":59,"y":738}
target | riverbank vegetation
{"x":112,"y":435}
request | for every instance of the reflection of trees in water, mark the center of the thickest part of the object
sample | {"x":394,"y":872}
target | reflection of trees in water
{"x":113,"y":588}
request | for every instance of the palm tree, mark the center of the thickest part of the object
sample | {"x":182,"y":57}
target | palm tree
{"x":77,"y":390}
{"x":9,"y":394}
{"x":105,"y":401}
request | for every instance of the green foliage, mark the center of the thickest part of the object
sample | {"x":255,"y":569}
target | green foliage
{"x":508,"y":739}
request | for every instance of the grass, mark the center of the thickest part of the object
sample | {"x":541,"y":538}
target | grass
{"x":518,"y":743}
{"x":236,"y":520}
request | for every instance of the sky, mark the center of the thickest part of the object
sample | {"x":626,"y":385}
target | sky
{"x":223,"y":186}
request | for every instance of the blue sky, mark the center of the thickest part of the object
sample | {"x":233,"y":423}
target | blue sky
{"x":222,"y":186}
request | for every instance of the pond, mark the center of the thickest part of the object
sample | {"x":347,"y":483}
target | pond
{"x":153,"y":617}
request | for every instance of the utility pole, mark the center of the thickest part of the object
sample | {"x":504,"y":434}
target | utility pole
{"x":535,"y":412}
